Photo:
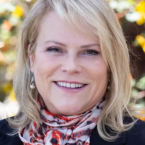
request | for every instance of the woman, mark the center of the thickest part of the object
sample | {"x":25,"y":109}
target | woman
{"x":72,"y":78}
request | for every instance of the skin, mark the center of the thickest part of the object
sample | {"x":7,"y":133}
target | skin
{"x":77,"y":59}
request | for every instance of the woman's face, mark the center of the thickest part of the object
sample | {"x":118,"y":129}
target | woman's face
{"x":69,"y":70}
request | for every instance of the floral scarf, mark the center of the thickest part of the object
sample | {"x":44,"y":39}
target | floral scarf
{"x":61,"y":130}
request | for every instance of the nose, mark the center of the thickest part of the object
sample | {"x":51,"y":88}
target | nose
{"x":71,"y":66}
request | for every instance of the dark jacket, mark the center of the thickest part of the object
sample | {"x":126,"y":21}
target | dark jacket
{"x":134,"y":136}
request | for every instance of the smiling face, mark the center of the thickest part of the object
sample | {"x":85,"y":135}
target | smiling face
{"x":69,"y":70}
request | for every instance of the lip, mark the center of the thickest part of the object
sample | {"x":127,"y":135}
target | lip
{"x":70,"y":90}
{"x":72,"y":82}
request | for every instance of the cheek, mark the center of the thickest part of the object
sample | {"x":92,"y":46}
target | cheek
{"x":45,"y":65}
{"x":44,"y":69}
{"x":98,"y":70}
{"x":99,"y":77}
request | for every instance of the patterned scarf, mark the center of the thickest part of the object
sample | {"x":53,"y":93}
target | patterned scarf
{"x":61,"y":130}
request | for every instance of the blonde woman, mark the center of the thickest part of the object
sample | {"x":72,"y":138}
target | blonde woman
{"x":72,"y":79}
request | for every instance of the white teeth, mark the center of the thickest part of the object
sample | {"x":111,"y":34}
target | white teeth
{"x":72,"y":85}
{"x":69,"y":85}
{"x":80,"y":85}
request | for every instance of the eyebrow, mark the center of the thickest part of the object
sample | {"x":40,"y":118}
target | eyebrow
{"x":59,"y":43}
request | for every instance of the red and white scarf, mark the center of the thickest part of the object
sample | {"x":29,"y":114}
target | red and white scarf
{"x":61,"y":130}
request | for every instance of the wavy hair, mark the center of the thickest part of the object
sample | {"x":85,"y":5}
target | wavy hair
{"x":100,"y":21}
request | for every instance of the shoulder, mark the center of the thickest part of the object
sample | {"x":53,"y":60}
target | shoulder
{"x":136,"y":135}
{"x":133,"y":136}
{"x":5,"y":138}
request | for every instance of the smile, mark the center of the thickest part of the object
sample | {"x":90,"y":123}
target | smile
{"x":70,"y":85}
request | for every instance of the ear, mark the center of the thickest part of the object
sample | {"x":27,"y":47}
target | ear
{"x":31,"y":58}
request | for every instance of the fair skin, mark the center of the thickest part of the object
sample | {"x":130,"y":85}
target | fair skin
{"x":68,"y":56}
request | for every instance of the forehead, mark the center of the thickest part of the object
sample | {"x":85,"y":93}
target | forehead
{"x":55,"y":28}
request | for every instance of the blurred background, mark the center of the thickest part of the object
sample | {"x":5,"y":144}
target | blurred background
{"x":131,"y":15}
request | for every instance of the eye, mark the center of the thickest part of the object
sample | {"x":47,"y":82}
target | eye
{"x":91,"y":52}
{"x":54,"y":49}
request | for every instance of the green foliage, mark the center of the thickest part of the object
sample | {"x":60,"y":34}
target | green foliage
{"x":138,"y":86}
{"x":141,"y":83}
{"x":11,"y":16}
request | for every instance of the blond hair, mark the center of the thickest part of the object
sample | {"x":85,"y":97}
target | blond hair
{"x":99,"y":20}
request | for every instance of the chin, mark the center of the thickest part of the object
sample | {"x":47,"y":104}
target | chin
{"x":69,"y":110}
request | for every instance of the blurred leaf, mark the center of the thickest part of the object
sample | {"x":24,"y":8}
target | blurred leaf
{"x":141,"y":21}
{"x":18,"y":11}
{"x":6,"y":7}
{"x":133,"y":82}
{"x":12,"y":95}
{"x":141,"y":40}
{"x":141,"y":83}
{"x":132,"y":16}
{"x":7,"y":88}
{"x":120,"y":6}
{"x":7,"y":25}
{"x":131,"y":1}
{"x":134,"y":93}
{"x":141,"y":9}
